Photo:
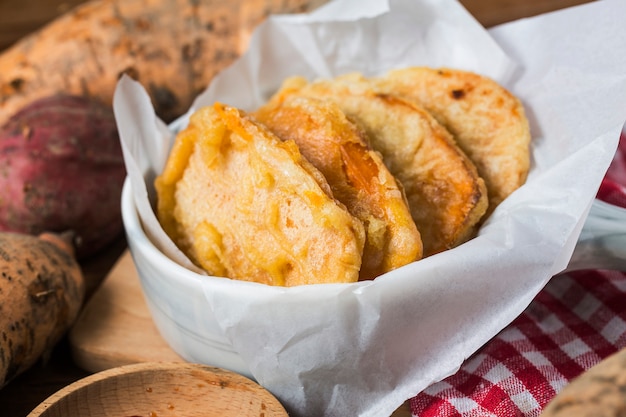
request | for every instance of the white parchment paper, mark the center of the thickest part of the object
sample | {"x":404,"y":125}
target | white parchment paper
{"x":363,"y":349}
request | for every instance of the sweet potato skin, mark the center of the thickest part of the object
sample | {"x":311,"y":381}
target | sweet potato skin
{"x":41,"y":292}
{"x":172,"y":47}
{"x":62,"y":168}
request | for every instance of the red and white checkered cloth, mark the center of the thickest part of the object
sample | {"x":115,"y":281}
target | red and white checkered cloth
{"x":577,"y":320}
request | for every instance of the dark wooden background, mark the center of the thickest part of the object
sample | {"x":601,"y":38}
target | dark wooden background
{"x":21,"y":17}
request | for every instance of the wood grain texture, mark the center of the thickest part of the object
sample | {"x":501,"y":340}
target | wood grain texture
{"x":19,"y":18}
{"x":165,"y":390}
{"x":494,"y":12}
{"x":115,"y":327}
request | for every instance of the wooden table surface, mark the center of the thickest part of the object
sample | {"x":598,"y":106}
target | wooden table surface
{"x":21,"y":17}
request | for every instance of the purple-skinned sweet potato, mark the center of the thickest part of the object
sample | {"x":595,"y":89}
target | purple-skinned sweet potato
{"x":61,"y":168}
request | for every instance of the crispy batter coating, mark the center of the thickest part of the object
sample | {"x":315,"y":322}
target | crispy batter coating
{"x":243,"y":204}
{"x":446,"y":196}
{"x":487,"y":121}
{"x":356,"y":174}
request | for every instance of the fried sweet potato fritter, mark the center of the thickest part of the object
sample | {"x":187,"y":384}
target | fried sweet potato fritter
{"x":356,"y":174}
{"x":487,"y":121}
{"x":446,"y":196}
{"x":243,"y":204}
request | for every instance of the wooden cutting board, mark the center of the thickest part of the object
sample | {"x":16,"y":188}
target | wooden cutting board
{"x":115,"y":327}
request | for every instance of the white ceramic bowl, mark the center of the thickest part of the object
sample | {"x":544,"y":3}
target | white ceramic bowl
{"x":286,"y":332}
{"x":176,"y":299}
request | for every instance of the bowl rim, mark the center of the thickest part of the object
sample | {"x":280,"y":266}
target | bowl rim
{"x":136,"y":235}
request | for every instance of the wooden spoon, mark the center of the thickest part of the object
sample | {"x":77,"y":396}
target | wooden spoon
{"x":162,"y":389}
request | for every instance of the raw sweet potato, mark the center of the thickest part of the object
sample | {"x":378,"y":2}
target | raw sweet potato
{"x":173,"y":47}
{"x":61,"y":168}
{"x":41,"y":292}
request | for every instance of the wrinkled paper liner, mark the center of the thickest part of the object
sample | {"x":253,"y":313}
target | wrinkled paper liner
{"x":364,"y":348}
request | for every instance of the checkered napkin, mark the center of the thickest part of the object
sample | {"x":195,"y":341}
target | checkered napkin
{"x":576,"y":321}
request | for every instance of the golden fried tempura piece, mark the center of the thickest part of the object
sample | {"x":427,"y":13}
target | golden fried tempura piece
{"x":243,"y":204}
{"x":356,"y":174}
{"x":446,"y":196}
{"x":487,"y":121}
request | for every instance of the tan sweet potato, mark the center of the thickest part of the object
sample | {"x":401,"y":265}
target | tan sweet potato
{"x":173,"y":47}
{"x":41,"y":292}
{"x":61,"y":168}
